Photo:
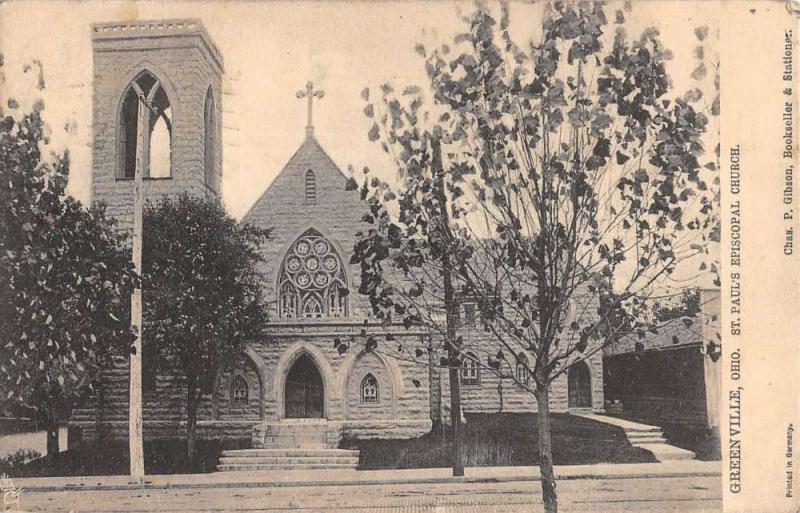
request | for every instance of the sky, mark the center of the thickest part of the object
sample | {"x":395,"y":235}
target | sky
{"x":271,"y":49}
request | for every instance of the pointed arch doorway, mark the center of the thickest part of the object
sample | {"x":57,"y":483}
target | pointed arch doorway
{"x":304,"y":393}
{"x":579,"y":386}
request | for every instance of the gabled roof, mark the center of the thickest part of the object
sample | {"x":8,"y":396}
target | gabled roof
{"x":310,"y":155}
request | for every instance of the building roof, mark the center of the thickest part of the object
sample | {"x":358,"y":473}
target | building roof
{"x":156,"y":30}
{"x":677,"y":332}
{"x":310,"y":155}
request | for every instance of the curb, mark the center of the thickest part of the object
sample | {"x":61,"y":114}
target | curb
{"x":149,"y":485}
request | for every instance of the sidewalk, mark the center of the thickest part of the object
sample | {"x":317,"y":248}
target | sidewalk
{"x":37,"y":441}
{"x":337,"y":477}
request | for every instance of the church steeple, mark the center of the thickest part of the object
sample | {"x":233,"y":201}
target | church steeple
{"x":310,"y":93}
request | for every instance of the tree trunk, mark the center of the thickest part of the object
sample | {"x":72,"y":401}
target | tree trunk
{"x":453,"y":360}
{"x":191,"y":421}
{"x":99,"y":429}
{"x":549,"y":497}
{"x":455,"y":412}
{"x":53,"y":449}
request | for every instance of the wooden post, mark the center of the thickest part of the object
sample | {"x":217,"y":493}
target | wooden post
{"x":135,"y":440}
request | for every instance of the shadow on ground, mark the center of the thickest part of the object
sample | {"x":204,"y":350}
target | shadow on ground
{"x":505,"y":439}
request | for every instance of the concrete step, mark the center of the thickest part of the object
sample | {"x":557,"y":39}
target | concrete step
{"x":647,"y":440}
{"x":664,"y":452}
{"x":281,"y":466}
{"x":265,"y":453}
{"x":295,"y":445}
{"x":292,"y":439}
{"x":644,"y":429}
{"x":289,"y":460}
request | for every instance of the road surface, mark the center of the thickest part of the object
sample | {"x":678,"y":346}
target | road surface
{"x":653,"y":495}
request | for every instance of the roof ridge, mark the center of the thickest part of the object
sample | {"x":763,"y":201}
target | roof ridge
{"x":310,"y":139}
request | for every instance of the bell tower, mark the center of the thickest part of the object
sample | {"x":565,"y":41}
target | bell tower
{"x":174,"y":69}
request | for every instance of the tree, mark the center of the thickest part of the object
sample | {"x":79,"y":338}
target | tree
{"x":65,"y":276}
{"x":423,"y":292}
{"x":576,"y":189}
{"x":203,"y":296}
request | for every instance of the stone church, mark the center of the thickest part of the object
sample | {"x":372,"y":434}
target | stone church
{"x":293,"y":387}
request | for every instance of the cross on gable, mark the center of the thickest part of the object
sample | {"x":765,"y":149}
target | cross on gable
{"x":310,"y":93}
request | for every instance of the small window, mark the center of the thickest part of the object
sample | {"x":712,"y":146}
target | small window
{"x":210,"y":141}
{"x":240,"y":392}
{"x":149,"y":381}
{"x":523,"y":369}
{"x":469,"y":314}
{"x":336,"y":300}
{"x":149,"y":369}
{"x":312,"y":308}
{"x":470,"y":372}
{"x":369,"y":389}
{"x":311,"y":187}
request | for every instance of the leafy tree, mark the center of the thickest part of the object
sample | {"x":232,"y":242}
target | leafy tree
{"x":425,"y":292}
{"x":202,"y":288}
{"x":685,"y":305}
{"x":65,"y":279}
{"x":575,"y":184}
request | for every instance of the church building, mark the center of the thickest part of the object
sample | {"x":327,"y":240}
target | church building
{"x":294,"y":387}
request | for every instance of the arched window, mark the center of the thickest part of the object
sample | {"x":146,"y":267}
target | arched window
{"x":310,"y":187}
{"x":579,"y":385}
{"x":312,"y":308}
{"x":470,"y":371}
{"x":146,"y":116}
{"x":312,"y":282}
{"x":210,"y":141}
{"x":523,"y":369}
{"x":240,"y":392}
{"x":369,"y":389}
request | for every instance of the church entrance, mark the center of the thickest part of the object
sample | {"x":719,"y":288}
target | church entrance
{"x":304,"y":392}
{"x":579,"y":385}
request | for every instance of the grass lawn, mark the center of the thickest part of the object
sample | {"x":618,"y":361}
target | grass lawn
{"x":160,"y":457}
{"x":505,"y":439}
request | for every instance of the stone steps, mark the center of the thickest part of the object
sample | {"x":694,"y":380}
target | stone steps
{"x":293,"y":466}
{"x":258,"y":453}
{"x":294,"y":441}
{"x":296,"y":446}
{"x":647,"y":440}
{"x":664,"y":452}
{"x":286,"y":460}
{"x":651,"y":438}
{"x":290,"y":444}
{"x":644,"y":436}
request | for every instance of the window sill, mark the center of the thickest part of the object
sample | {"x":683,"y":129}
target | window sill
{"x":144,"y":178}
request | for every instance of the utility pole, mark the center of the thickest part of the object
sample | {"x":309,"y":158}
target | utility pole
{"x":135,"y":436}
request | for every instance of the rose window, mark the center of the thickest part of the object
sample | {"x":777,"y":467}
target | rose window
{"x":312,"y":283}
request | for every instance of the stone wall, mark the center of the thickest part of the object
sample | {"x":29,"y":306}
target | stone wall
{"x":497,"y":392}
{"x":223,"y":407}
{"x":404,"y":387}
{"x":368,"y":363}
{"x":336,"y":214}
{"x":404,"y":403}
{"x":181,"y":55}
